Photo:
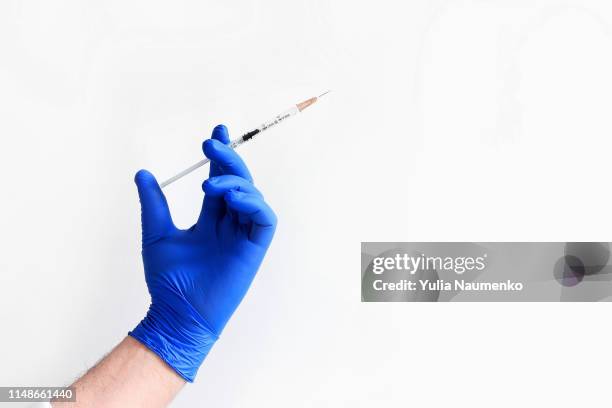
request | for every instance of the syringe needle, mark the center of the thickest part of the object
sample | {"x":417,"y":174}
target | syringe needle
{"x":294,"y":110}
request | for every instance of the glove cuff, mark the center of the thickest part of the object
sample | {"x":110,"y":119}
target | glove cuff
{"x":178,"y":335}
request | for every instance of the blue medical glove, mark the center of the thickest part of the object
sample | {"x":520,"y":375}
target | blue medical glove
{"x":197,"y":277}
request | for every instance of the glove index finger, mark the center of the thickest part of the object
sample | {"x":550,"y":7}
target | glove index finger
{"x":221,"y":134}
{"x":226,"y":158}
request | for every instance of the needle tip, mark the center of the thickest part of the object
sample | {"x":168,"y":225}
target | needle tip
{"x":324,"y":93}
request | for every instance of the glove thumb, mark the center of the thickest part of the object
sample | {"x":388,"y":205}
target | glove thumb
{"x":155,"y":214}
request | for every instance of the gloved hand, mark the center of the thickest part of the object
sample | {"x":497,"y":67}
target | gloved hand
{"x":197,"y":277}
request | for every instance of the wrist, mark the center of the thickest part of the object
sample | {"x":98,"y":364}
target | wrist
{"x":178,"y":335}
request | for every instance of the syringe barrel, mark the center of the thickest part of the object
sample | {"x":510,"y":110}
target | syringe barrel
{"x":294,"y":110}
{"x":279,"y":118}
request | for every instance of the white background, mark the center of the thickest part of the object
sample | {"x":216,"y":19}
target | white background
{"x":449,"y":120}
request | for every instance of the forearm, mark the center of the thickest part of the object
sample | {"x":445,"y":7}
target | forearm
{"x":130,"y":376}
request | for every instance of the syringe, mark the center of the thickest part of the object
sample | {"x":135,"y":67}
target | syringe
{"x":294,"y":110}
